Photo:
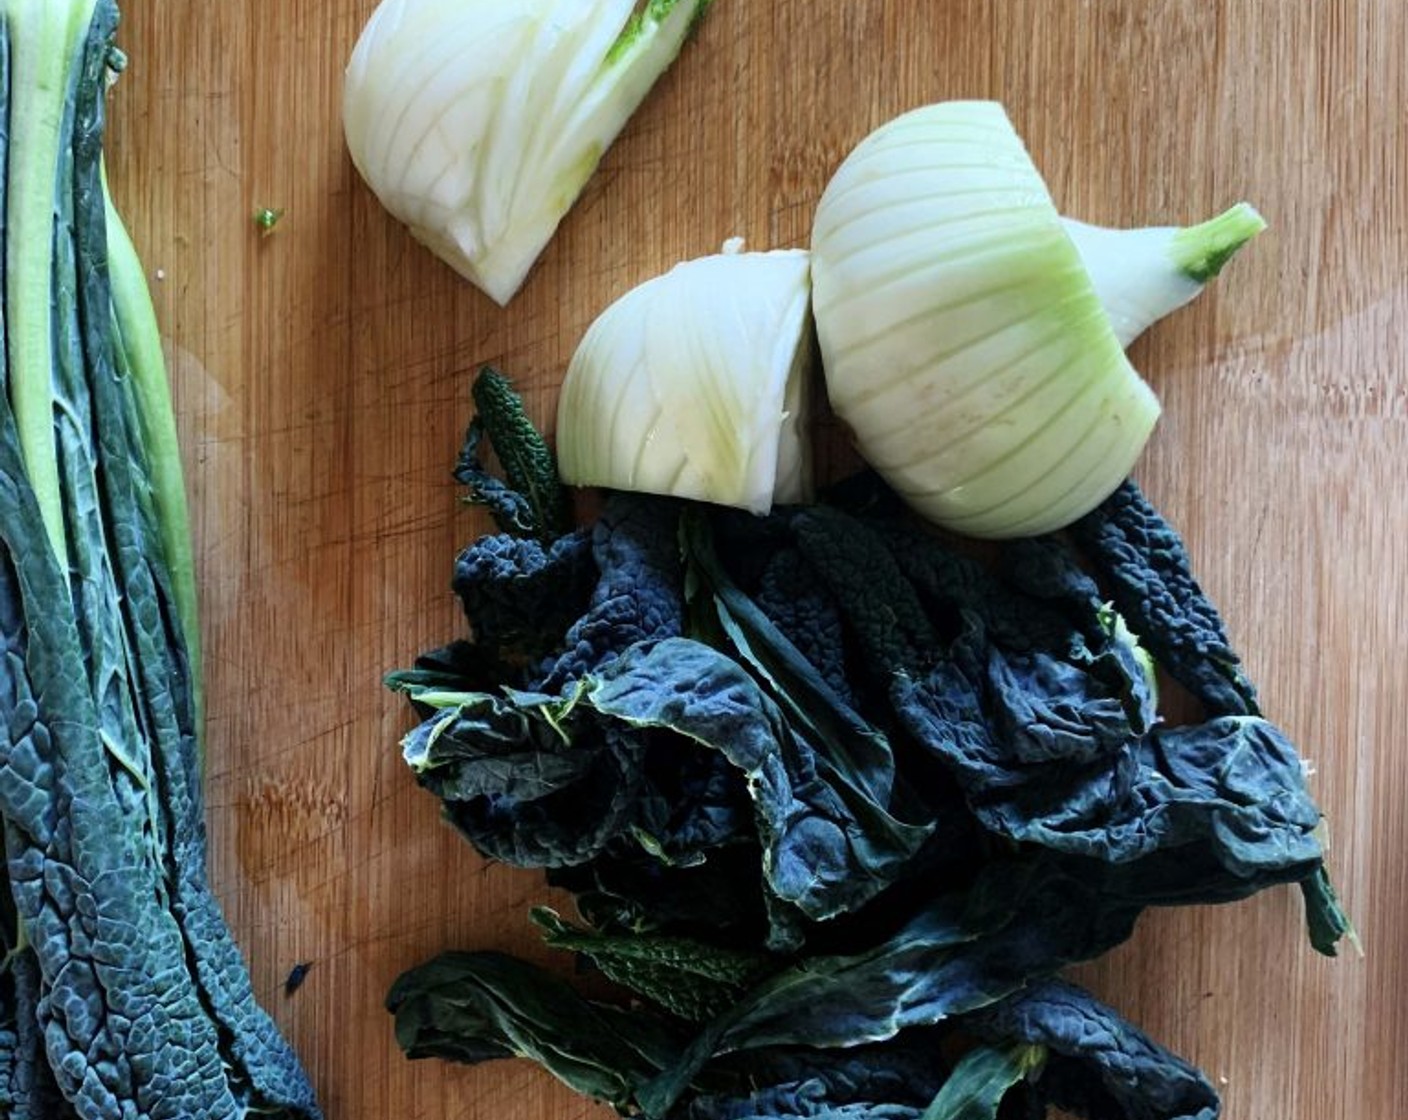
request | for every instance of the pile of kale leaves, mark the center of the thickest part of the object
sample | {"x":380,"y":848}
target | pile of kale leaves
{"x":837,"y":800}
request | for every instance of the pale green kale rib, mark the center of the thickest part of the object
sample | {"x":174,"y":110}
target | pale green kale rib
{"x":137,"y":352}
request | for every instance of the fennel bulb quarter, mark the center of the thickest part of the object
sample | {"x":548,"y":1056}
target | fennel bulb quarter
{"x":478,"y":122}
{"x":693,"y":384}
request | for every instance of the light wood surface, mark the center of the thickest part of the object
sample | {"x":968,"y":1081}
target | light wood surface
{"x":322,"y":376}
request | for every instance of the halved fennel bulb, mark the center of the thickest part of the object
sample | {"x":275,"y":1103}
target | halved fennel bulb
{"x":693,"y":384}
{"x":478,"y":122}
{"x":1141,"y":275}
{"x":963,"y":340}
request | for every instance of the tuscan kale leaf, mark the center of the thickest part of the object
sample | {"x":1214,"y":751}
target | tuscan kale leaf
{"x":121,"y":991}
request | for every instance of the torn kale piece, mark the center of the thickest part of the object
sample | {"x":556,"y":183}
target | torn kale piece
{"x":522,"y":594}
{"x":1096,"y":1065}
{"x":473,"y":1007}
{"x":528,"y":501}
{"x":1141,"y":557}
{"x":639,"y":593}
{"x":686,"y":977}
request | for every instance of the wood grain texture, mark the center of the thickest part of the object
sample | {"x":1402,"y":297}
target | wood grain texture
{"x":322,"y":376}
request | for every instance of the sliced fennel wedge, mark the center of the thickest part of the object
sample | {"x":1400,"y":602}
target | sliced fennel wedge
{"x":693,"y":384}
{"x":478,"y":122}
{"x":963,"y":340}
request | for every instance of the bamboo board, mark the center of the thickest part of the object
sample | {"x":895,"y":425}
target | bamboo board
{"x":322,"y":376}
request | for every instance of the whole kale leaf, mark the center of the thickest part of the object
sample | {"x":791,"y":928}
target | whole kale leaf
{"x":123,"y":993}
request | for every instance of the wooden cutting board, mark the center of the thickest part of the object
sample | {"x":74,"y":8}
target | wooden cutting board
{"x":322,"y":375}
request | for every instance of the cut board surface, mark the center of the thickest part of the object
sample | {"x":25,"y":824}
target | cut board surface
{"x":322,"y":376}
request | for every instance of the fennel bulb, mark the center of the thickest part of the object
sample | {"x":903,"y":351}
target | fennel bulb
{"x":478,"y":122}
{"x":693,"y":384}
{"x":968,"y":344}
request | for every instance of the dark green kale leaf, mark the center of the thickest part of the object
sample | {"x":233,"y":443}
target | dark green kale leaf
{"x":1234,"y":785}
{"x":855,"y":750}
{"x":82,"y":874}
{"x":629,"y":889}
{"x":639,"y":595}
{"x":459,"y":667}
{"x":1049,"y":1045}
{"x":792,"y":597}
{"x":688,"y":978}
{"x":474,"y":1007}
{"x":1030,"y":734}
{"x":521,"y":595}
{"x":1146,"y":567}
{"x":879,"y":604}
{"x":823,"y":852}
{"x":483,"y":745}
{"x":895,"y":1081}
{"x":1199,"y":813}
{"x":527,"y":779}
{"x":27,"y":1088}
{"x":540,"y":780}
{"x":1145,"y":564}
{"x":528,"y":501}
{"x":129,"y":974}
{"x":1021,"y":920}
{"x":158,"y":677}
{"x":1097,"y":1066}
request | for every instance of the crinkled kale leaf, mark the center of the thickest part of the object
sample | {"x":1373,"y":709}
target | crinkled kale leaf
{"x":528,"y":501}
{"x":690,"y":979}
{"x":1151,"y":579}
{"x":838,"y":800}
{"x":1095,"y":1064}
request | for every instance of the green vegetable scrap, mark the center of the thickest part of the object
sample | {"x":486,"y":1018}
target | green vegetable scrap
{"x":266,"y":219}
{"x":837,"y":802}
{"x":121,"y":992}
